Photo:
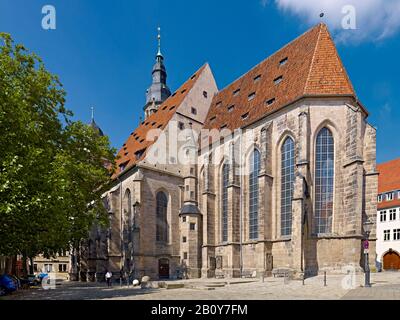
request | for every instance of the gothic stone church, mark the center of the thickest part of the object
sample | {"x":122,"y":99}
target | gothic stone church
{"x":284,"y":174}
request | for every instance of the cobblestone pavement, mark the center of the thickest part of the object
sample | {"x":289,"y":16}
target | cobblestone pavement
{"x":385,"y":286}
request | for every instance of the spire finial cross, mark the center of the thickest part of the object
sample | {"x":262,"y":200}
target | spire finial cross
{"x":92,"y":108}
{"x":159,"y":41}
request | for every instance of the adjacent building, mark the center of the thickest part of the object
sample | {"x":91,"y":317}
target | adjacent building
{"x":388,"y":216}
{"x":58,"y":265}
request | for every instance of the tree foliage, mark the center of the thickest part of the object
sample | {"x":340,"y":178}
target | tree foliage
{"x":53,"y":171}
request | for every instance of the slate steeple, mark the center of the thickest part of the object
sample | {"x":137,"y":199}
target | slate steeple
{"x":158,"y":91}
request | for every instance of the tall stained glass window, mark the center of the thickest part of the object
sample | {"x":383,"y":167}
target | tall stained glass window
{"x":324,"y":175}
{"x":287,"y":181}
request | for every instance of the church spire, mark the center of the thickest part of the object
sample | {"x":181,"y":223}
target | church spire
{"x":94,"y":125}
{"x":158,"y":91}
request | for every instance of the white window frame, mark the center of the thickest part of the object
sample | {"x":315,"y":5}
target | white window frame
{"x":389,"y":196}
{"x":396,"y":234}
{"x":380,"y":198}
{"x":48,"y":268}
{"x":392,"y":214}
{"x":386,"y":235}
{"x":382,"y":214}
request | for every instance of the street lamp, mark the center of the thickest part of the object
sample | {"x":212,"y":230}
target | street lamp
{"x":367,"y":230}
{"x":136,"y":212}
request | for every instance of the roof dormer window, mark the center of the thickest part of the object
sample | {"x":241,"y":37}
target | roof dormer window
{"x":278,"y":80}
{"x":236,"y":92}
{"x":245,"y":116}
{"x":283,"y":62}
{"x":270,"y":101}
{"x":139,"y":153}
{"x":257,"y":78}
{"x":251,"y":96}
{"x":231,"y":108}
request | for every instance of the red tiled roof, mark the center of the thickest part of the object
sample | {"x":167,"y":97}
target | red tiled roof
{"x":389,"y":180}
{"x":137,"y":141}
{"x":312,"y":67}
{"x":388,"y":204}
{"x":389,"y":176}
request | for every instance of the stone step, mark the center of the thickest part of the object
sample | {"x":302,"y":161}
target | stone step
{"x":174,"y":285}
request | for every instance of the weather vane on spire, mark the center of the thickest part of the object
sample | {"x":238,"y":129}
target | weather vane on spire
{"x":92,"y":113}
{"x":159,"y":41}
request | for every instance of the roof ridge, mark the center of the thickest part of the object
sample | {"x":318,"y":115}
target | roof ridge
{"x":326,"y":47}
{"x":313,"y":58}
{"x":272,"y":54}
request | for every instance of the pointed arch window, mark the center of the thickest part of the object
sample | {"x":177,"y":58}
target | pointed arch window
{"x":254,"y":194}
{"x":161,"y":217}
{"x":287,"y":181}
{"x":127,"y":218}
{"x":324,"y":175}
{"x":224,"y":220}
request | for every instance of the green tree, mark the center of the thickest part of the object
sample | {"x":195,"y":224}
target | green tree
{"x":53,"y":171}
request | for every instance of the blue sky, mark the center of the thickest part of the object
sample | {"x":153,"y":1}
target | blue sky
{"x":103,"y":51}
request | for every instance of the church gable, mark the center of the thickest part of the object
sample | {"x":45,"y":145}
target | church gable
{"x":309,"y":65}
{"x":136,"y":146}
{"x":327,"y":74}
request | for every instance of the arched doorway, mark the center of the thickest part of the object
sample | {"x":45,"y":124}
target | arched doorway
{"x":163,"y":269}
{"x":391,"y":261}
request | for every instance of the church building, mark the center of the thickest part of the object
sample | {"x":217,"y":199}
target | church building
{"x":275,"y":171}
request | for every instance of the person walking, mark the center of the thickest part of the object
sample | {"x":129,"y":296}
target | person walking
{"x":108,"y":278}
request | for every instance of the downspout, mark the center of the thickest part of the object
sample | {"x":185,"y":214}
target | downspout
{"x":241,"y":204}
{"x":121,"y":223}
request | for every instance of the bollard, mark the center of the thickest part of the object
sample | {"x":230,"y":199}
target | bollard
{"x":303,"y":280}
{"x":286,"y":279}
{"x":324,"y":278}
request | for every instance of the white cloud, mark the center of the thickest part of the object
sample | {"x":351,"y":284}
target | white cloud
{"x":375,"y":19}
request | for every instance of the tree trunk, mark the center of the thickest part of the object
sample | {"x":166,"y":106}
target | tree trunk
{"x":31,"y":271}
{"x":13,"y":268}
